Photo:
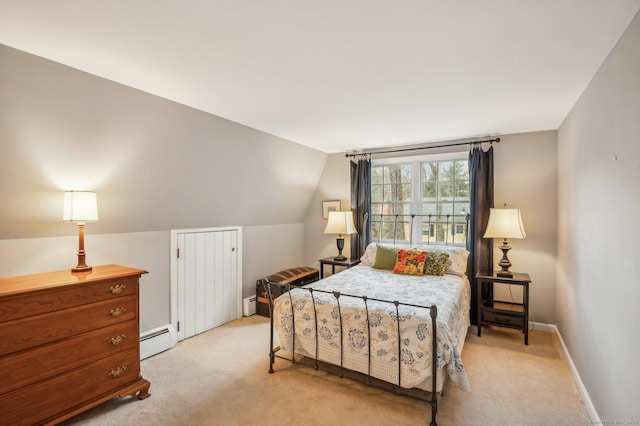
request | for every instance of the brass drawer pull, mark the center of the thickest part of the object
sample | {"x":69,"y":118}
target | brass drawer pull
{"x":116,"y":341}
{"x":117,"y":289}
{"x":118,"y":371}
{"x":117,"y":312}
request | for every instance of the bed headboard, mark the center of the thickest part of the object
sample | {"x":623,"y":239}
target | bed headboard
{"x":447,"y":229}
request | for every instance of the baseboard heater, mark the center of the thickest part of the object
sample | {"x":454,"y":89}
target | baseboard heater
{"x":158,"y":340}
{"x":249,"y":306}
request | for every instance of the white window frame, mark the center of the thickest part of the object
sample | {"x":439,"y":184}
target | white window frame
{"x":416,"y":185}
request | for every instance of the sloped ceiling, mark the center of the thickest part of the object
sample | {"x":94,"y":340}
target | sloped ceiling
{"x":339,"y":75}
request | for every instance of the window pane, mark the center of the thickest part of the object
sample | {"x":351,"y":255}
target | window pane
{"x":401,"y":208}
{"x":429,"y":171}
{"x":447,"y":171}
{"x":406,"y":192}
{"x":446,"y":208}
{"x":386,"y":175}
{"x":429,"y":191}
{"x":401,"y":231}
{"x":397,"y":173}
{"x":428,"y":231}
{"x":443,"y":233}
{"x":376,"y":193}
{"x":405,"y":171}
{"x":461,"y":209}
{"x":429,"y":208}
{"x":376,"y":209}
{"x":461,"y":170}
{"x":389,"y":193}
{"x":374,"y":231}
{"x":387,"y":208}
{"x":446,"y":190}
{"x":462,"y":190}
{"x":376,"y":175}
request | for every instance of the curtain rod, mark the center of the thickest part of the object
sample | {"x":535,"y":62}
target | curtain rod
{"x":496,"y":140}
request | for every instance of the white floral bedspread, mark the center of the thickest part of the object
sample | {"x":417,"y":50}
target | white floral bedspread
{"x":451,"y":294}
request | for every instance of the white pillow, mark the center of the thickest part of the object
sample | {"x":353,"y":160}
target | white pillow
{"x":369,"y":256}
{"x":457,"y":263}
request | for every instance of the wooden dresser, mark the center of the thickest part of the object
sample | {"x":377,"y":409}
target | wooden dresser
{"x":68,"y":341}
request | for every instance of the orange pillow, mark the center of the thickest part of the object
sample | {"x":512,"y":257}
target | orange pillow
{"x":410,"y":262}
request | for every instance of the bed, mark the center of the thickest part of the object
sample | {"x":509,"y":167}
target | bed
{"x":380,"y":324}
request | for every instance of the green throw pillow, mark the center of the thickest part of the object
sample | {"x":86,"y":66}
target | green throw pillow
{"x":385,"y":257}
{"x":436,"y":263}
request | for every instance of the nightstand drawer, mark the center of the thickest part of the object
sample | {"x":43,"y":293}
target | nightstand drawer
{"x":512,"y":320}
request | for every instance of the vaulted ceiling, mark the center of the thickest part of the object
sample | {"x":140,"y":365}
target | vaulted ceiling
{"x":339,"y":75}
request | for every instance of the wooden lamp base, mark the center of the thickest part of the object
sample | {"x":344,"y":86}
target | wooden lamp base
{"x":81,"y":266}
{"x":505,"y":263}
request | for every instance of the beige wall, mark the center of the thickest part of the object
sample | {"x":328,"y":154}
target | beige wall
{"x":525,"y":177}
{"x":156,"y":166}
{"x":598,"y":286}
{"x":334,"y":184}
{"x":144,"y":250}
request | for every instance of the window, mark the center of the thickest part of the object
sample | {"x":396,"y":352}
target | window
{"x":435,"y":185}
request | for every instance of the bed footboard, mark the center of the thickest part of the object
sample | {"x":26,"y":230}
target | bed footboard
{"x":433,"y":311}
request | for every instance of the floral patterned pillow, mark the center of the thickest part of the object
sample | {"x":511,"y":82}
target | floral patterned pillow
{"x":410,"y":262}
{"x":436,"y":263}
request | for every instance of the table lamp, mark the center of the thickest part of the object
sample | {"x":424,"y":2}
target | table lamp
{"x":340,"y":223}
{"x":81,"y":207}
{"x":505,"y":223}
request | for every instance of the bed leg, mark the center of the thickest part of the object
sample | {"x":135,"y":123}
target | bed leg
{"x":272,"y":357}
{"x":434,"y":364}
{"x":434,"y":412}
{"x":272,"y":354}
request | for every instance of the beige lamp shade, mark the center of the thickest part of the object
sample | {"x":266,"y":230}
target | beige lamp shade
{"x":505,"y":223}
{"x":80,"y":206}
{"x":340,"y":223}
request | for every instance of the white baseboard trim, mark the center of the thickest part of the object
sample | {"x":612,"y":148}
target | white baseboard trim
{"x":550,"y":328}
{"x":593,"y":414}
{"x":158,"y":340}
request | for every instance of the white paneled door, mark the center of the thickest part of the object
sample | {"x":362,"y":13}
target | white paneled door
{"x":207,"y":280}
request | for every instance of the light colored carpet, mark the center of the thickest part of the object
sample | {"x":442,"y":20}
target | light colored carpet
{"x":220,"y":378}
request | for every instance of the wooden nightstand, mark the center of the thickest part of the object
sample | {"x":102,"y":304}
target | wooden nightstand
{"x":330,"y":261}
{"x":503,"y":314}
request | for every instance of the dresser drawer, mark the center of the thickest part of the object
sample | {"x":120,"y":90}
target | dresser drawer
{"x":29,"y":304}
{"x":67,"y":392}
{"x":33,"y":366}
{"x":41,"y":329}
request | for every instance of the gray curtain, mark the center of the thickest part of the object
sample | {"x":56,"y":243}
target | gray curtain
{"x":360,"y":204}
{"x":481,"y":200}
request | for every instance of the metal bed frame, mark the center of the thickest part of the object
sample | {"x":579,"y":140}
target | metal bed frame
{"x":431,"y":397}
